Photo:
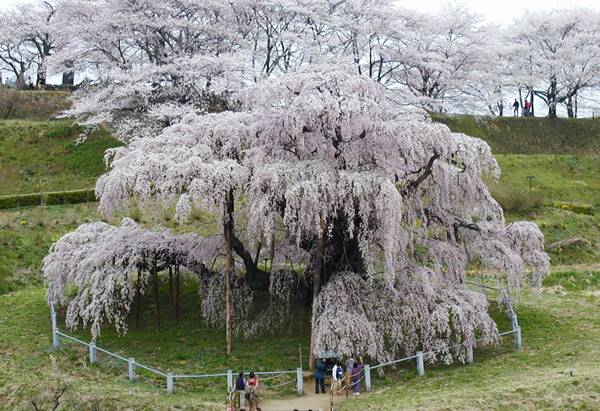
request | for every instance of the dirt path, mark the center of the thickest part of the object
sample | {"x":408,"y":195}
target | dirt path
{"x":309,"y":401}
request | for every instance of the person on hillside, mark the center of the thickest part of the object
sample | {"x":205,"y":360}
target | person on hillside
{"x":356,"y":371}
{"x":320,"y":369}
{"x":337,"y":374}
{"x":240,"y":391}
{"x":516,"y":106}
{"x":526,"y":108}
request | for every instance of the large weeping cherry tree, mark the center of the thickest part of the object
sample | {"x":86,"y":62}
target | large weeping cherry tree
{"x":380,"y":213}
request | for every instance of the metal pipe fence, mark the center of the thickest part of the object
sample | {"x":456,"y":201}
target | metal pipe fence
{"x":170,"y":377}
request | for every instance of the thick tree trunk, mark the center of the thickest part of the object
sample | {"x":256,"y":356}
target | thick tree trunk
{"x":154,"y":270}
{"x":40,"y":80}
{"x":569,"y":105}
{"x":552,"y":109}
{"x":68,"y":77}
{"x":256,"y":278}
{"x":531,"y":92}
{"x":228,"y":233}
{"x":552,"y":98}
{"x":20,"y":82}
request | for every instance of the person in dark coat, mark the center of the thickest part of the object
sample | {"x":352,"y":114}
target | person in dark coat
{"x":320,"y":369}
{"x":356,"y":371}
{"x":516,"y":108}
{"x":240,"y":388}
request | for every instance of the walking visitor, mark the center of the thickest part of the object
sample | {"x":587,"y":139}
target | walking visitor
{"x":516,"y":108}
{"x":320,"y":370}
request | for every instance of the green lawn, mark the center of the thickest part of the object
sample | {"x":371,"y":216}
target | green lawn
{"x":558,"y":366}
{"x":508,"y":135}
{"x":31,"y":370}
{"x":27,"y":234}
{"x":567,"y":178}
{"x":44,"y":156}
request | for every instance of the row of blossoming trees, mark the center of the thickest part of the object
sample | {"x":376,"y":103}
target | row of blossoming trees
{"x":380,"y":213}
{"x":448,"y":60}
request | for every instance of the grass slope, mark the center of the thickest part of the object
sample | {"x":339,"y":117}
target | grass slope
{"x":27,"y":234}
{"x":567,"y":178}
{"x":44,"y":156}
{"x":509,"y":135}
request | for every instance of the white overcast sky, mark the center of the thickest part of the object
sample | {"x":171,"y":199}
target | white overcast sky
{"x":499,"y":11}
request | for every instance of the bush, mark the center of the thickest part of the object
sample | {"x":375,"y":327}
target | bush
{"x":50,"y":198}
{"x":10,"y":101}
{"x":517,"y":201}
{"x":32,"y":104}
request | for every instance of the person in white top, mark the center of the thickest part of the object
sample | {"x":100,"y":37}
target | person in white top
{"x":337,"y":374}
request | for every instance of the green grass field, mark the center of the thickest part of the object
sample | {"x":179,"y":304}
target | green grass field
{"x":508,"y":135}
{"x":559,"y":366}
{"x":44,"y":156}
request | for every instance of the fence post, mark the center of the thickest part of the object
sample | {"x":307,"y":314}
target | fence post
{"x":367,"y":377}
{"x":131,"y":369}
{"x":420,"y":363}
{"x":170,"y":382}
{"x":299,"y":381}
{"x":518,"y":341}
{"x":92,"y":352}
{"x":469,"y":353}
{"x":55,"y":340}
{"x":229,"y":380}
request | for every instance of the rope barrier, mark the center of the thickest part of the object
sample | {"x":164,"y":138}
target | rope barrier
{"x":274,"y":376}
{"x":199,"y":375}
{"x":279,"y":385}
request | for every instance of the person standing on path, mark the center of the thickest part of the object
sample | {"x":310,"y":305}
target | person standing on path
{"x":516,"y":108}
{"x":320,"y":369}
{"x":337,"y":373}
{"x":253,"y":398}
{"x":240,"y":394}
{"x":356,"y":371}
